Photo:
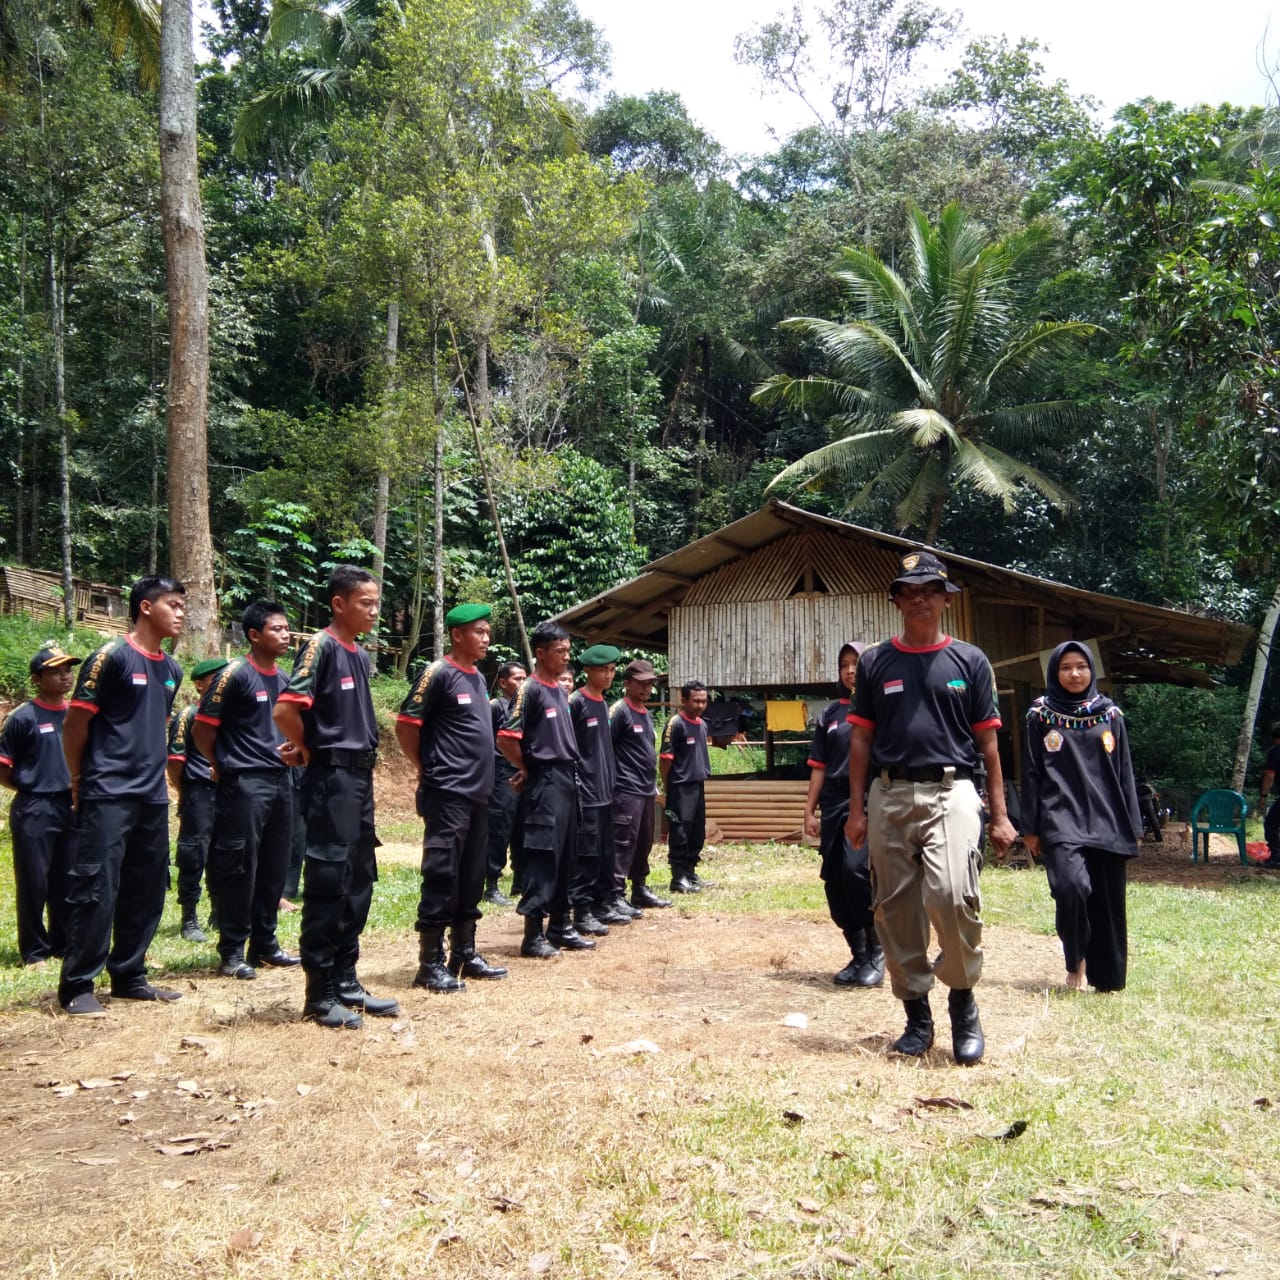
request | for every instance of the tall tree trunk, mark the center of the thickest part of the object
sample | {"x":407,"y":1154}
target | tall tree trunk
{"x":186,"y":419}
{"x":437,"y":505}
{"x":57,"y":317}
{"x":1261,"y":657}
{"x":936,"y":504}
{"x":20,"y":407}
{"x":382,"y":493}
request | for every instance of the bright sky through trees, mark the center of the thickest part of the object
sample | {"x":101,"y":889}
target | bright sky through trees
{"x":1116,"y":50}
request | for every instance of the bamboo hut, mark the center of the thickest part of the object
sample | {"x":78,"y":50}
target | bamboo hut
{"x":39,"y":593}
{"x":764,"y":604}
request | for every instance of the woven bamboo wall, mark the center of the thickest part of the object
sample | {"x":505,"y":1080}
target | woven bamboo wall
{"x":743,"y":627}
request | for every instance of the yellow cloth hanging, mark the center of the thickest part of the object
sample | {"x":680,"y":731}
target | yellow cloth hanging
{"x":785,"y":717}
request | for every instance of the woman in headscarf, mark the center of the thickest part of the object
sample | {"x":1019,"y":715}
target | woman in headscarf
{"x":845,"y":872}
{"x":1080,"y":815}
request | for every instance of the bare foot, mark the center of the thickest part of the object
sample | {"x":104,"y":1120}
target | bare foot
{"x":286,"y":906}
{"x":1076,"y":980}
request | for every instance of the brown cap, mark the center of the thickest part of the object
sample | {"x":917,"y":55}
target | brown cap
{"x":640,"y":669}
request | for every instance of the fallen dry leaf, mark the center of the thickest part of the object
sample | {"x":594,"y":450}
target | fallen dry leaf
{"x":616,"y":1253}
{"x":188,"y":1086}
{"x":194,"y":1042}
{"x":464,"y":1170}
{"x":946,"y":1103}
{"x":97,"y":1082}
{"x":794,"y":1117}
{"x":839,"y":1255}
{"x":122,"y":1076}
{"x":127,"y":1118}
{"x":540,"y":1263}
{"x":304,"y":1089}
{"x":809,"y":1206}
{"x":243,"y":1239}
{"x":1068,"y":1198}
{"x":798,"y":1020}
{"x":94,"y":1160}
{"x":1263,"y":1104}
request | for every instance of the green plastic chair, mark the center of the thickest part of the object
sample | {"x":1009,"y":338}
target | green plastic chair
{"x":1222,"y":812}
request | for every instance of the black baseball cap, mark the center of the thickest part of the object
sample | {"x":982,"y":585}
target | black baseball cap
{"x":918,"y":567}
{"x":51,"y":655}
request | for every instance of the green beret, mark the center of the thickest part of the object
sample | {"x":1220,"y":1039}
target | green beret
{"x":207,"y":667}
{"x":461,"y":614}
{"x":599,"y":655}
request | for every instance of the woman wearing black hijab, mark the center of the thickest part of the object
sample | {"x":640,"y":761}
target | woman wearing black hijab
{"x":846,"y":874}
{"x":1080,"y":815}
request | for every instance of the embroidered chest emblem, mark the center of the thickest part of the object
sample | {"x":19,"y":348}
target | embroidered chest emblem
{"x":139,"y":677}
{"x":893,"y":686}
{"x":45,"y":727}
{"x":260,"y":695}
{"x":348,"y":682}
{"x":592,"y":722}
{"x":1053,"y":740}
{"x":551,"y":713}
{"x":464,"y":699}
{"x":958,"y":685}
{"x":1108,"y":741}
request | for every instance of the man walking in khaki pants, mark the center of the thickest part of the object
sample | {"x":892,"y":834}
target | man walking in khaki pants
{"x":924,"y":707}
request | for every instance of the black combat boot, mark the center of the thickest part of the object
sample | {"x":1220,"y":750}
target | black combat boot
{"x":190,"y":930}
{"x":464,"y":960}
{"x":585,"y":922}
{"x":433,"y":973}
{"x":608,"y":913}
{"x":857,"y":940}
{"x":871,"y":971}
{"x":535,"y":945}
{"x":915,"y":1040}
{"x":643,"y":896}
{"x":348,"y":988}
{"x":967,"y":1044}
{"x":562,"y":934}
{"x":323,"y":1006}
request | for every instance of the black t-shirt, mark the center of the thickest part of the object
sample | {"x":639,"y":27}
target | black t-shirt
{"x":540,"y":719}
{"x":684,"y":743}
{"x":238,"y":704}
{"x":597,"y":772}
{"x":1078,"y":789}
{"x":128,"y":693}
{"x":182,"y":746}
{"x":831,"y":753}
{"x":925,"y":705}
{"x":31,"y":745}
{"x":634,"y":751}
{"x":455,"y":740}
{"x":330,"y":682}
{"x":500,"y":710}
{"x":1272,"y":765}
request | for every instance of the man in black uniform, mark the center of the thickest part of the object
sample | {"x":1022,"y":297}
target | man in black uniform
{"x":191,"y":776}
{"x":503,"y":802}
{"x":253,"y":817}
{"x":924,"y":707}
{"x":635,"y":752}
{"x":538,"y":741}
{"x":32,"y":763}
{"x":445,"y":727}
{"x":115,"y":741}
{"x":591,"y":889}
{"x":327,"y":713}
{"x":685,"y":765}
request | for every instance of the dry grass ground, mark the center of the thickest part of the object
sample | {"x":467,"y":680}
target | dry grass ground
{"x":518,"y":1129}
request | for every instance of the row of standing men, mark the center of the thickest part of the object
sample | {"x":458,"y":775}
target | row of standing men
{"x":574,"y":777}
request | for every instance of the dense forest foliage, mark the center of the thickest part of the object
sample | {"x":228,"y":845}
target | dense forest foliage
{"x":443,"y":257}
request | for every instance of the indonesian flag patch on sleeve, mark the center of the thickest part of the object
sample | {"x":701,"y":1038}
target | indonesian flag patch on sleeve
{"x":893,"y":686}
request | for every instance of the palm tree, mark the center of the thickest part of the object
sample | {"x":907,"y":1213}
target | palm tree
{"x":931,"y":385}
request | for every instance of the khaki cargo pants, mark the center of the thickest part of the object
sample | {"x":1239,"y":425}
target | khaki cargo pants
{"x":923,"y":839}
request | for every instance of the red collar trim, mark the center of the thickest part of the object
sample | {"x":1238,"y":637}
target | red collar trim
{"x":902,"y":647}
{"x":51,"y":706}
{"x":546,"y":684}
{"x":350,"y":648}
{"x":146,"y":653}
{"x":690,"y":719}
{"x":586,"y":693}
{"x":636,"y":706}
{"x":449,"y":658}
{"x":265,"y":671}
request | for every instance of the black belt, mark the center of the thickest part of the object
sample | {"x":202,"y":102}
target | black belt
{"x":338,"y":758}
{"x":928,"y":773}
